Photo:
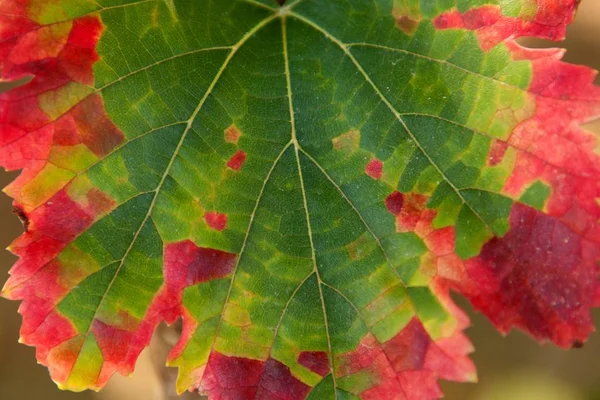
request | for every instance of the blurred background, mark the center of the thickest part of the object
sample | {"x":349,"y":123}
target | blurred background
{"x":514,"y":367}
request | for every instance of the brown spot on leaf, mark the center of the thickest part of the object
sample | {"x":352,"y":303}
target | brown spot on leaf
{"x":18,"y":211}
{"x":578,"y":344}
{"x":155,"y":16}
{"x":360,"y":248}
{"x":99,"y":203}
{"x":97,"y":131}
{"x":407,"y":24}
{"x":232,"y":134}
{"x":349,"y":141}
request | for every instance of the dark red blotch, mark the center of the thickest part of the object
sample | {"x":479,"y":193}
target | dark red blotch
{"x":216,"y":220}
{"x":394,"y":202}
{"x":237,"y":160}
{"x":187,"y":264}
{"x":541,"y":276}
{"x":243,"y":378}
{"x":316,"y":361}
{"x":114,"y":342}
{"x":408,"y":349}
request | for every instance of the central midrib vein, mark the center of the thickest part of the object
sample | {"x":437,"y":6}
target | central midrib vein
{"x":303,"y":189}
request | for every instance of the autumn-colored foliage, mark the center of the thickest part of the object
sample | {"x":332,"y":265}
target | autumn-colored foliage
{"x":303,"y":184}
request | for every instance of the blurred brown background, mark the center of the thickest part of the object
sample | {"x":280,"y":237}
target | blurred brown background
{"x":514,"y":367}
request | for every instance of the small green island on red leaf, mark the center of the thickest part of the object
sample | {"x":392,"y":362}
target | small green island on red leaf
{"x":303,"y":183}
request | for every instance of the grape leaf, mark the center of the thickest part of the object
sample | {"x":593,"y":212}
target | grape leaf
{"x":302,"y":183}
